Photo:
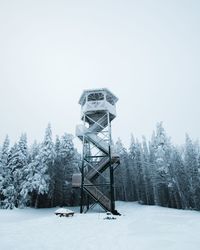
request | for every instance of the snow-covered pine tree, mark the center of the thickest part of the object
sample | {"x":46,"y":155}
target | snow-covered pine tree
{"x":161,"y":155}
{"x":4,"y":153}
{"x":37,"y":178}
{"x":67,"y":161}
{"x":3,"y":167}
{"x":46,"y":168}
{"x":17,"y":163}
{"x":135,"y":155}
{"x":122,"y":179}
{"x":146,"y":167}
{"x":140,"y":170}
{"x":132,"y":164}
{"x":23,"y":158}
{"x":59,"y":175}
{"x":39,"y":181}
{"x":192,"y":172}
{"x":30,"y":182}
{"x":8,"y":189}
{"x":179,"y":180}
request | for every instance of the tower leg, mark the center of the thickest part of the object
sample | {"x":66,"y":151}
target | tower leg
{"x":82,"y":191}
{"x":88,"y":202}
{"x":82,"y":174}
{"x":82,"y":195}
{"x":112,"y":197}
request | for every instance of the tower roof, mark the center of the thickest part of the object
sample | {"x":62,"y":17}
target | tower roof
{"x":87,"y":91}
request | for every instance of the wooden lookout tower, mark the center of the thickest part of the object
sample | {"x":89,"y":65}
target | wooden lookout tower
{"x":99,"y":160}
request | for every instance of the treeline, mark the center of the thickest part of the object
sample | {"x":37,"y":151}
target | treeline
{"x":39,"y":176}
{"x":159,"y":173}
{"x":153,"y":172}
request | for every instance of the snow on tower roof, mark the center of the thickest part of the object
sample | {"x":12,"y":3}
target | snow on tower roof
{"x":87,"y":91}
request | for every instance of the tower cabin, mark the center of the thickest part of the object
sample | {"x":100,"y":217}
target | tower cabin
{"x":95,"y":102}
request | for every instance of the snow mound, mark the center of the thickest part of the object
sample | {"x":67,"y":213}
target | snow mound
{"x":63,"y":211}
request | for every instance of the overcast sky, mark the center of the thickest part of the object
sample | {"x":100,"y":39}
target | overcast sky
{"x":145,"y":52}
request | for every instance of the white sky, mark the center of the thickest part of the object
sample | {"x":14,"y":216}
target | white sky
{"x":146,"y":52}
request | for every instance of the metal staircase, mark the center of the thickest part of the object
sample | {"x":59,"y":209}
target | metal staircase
{"x":97,"y":195}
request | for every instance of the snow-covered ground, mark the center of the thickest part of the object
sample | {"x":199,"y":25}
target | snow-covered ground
{"x":139,"y":228}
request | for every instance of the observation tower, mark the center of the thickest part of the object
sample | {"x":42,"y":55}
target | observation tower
{"x":99,"y":160}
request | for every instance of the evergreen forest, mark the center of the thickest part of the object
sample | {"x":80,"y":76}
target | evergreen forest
{"x":153,"y":172}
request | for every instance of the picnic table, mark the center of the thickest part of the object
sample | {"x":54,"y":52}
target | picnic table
{"x":63,"y":212}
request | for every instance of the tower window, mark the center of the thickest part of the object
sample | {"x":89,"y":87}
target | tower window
{"x":95,"y":97}
{"x":110,"y":99}
{"x":84,"y":101}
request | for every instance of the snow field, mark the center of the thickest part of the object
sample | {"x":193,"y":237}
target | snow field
{"x":139,"y":228}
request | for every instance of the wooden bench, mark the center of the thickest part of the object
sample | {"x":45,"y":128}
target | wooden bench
{"x":63,"y":212}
